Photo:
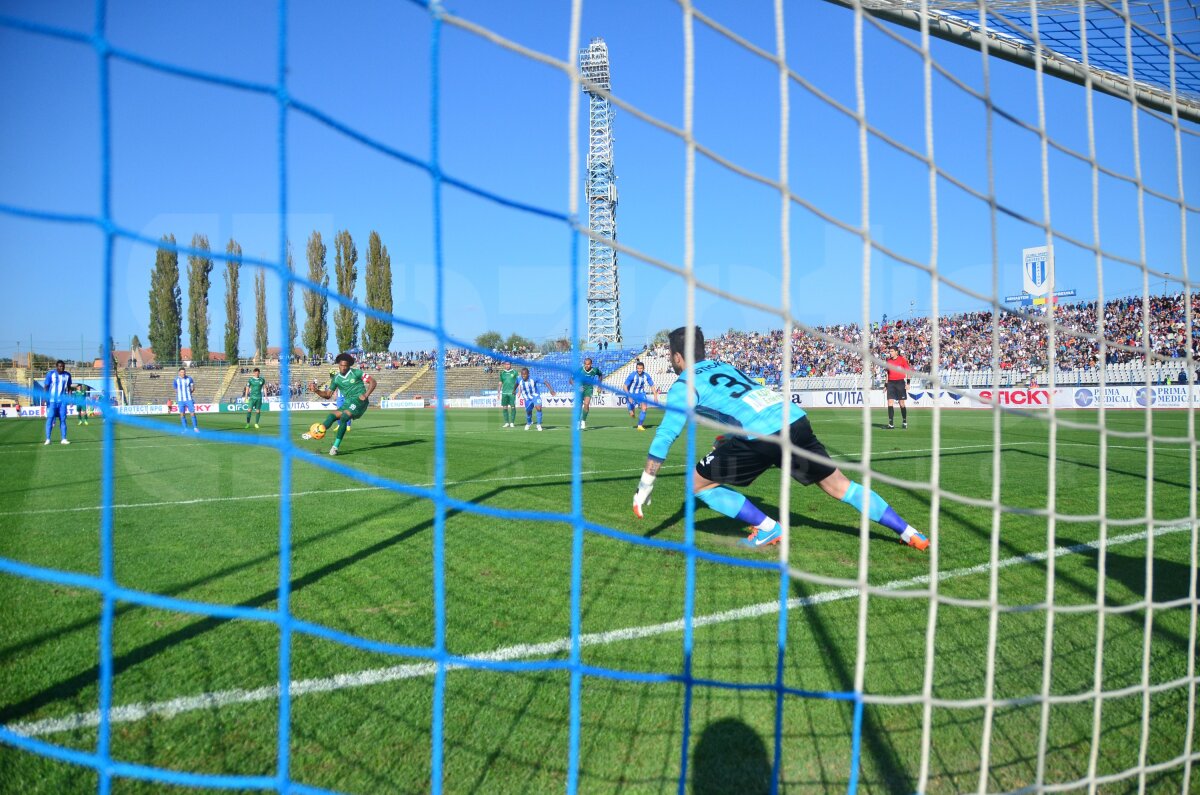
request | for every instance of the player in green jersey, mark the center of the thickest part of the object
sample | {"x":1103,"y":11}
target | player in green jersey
{"x":341,"y":399}
{"x":508,"y":394}
{"x":355,"y":388}
{"x":587,"y":375}
{"x":81,"y":407}
{"x":254,"y":398}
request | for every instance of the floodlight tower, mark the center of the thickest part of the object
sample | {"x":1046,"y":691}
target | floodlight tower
{"x":603,"y":298}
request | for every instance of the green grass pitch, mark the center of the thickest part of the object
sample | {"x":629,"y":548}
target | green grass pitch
{"x":198,"y":520}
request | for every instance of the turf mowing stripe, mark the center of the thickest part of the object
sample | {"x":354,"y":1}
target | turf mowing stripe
{"x":201,"y":500}
{"x":375,"y":676}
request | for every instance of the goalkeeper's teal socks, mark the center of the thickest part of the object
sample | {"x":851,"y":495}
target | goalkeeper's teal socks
{"x":733,"y":505}
{"x":876,"y":508}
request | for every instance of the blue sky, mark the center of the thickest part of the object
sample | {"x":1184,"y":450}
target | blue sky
{"x":191,"y":157}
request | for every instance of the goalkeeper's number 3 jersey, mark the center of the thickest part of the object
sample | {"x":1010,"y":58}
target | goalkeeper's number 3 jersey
{"x":724,"y":394}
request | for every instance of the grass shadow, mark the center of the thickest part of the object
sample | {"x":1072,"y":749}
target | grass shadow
{"x":400,"y":443}
{"x":72,"y":686}
{"x":730,"y":757}
{"x":886,"y":759}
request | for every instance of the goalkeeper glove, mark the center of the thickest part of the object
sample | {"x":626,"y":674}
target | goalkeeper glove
{"x":642,"y":495}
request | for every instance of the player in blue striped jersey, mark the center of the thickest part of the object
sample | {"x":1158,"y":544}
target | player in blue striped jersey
{"x":528,"y":389}
{"x":637,"y":384}
{"x":184,"y":385}
{"x":57,"y":385}
{"x":726,"y":395}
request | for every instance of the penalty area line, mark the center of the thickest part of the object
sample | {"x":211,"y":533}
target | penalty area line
{"x":223,"y":698}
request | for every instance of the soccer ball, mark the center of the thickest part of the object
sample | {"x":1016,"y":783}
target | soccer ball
{"x":316,"y":430}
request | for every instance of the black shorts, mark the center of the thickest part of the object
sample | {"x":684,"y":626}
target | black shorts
{"x":897,"y":390}
{"x":738,"y":461}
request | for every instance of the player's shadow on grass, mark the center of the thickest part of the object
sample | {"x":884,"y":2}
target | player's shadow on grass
{"x":1133,"y":473}
{"x":877,"y":740}
{"x":718,"y":525}
{"x":70,"y":688}
{"x":383,"y":446}
{"x":1171,"y":582}
{"x":730,"y":757}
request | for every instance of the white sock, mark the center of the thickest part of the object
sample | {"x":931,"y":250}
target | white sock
{"x":908,"y":533}
{"x":768,"y":525}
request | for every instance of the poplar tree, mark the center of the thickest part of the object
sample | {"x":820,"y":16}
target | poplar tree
{"x":199,"y":281}
{"x":345,"y":266}
{"x":377,"y":334}
{"x":290,"y":343}
{"x":166,"y":303}
{"x":260,"y":315}
{"x":233,"y":311}
{"x":316,"y":304}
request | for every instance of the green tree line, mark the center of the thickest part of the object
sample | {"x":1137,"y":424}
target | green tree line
{"x":167,"y":313}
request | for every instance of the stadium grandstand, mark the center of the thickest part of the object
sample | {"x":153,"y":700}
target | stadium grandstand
{"x":826,"y":359}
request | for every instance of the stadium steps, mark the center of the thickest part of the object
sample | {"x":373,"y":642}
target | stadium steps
{"x":158,"y":390}
{"x":460,"y":382}
{"x":389,"y":381}
{"x":123,"y":392}
{"x":415,"y":377}
{"x":304,"y":374}
{"x":230,"y":373}
{"x":16,"y":376}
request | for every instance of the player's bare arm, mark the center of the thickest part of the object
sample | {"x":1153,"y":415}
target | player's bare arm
{"x":371,"y":384}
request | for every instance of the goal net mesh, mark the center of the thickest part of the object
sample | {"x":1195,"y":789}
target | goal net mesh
{"x":1104,"y":696}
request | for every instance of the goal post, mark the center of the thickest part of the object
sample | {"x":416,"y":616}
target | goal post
{"x":1161,"y":76}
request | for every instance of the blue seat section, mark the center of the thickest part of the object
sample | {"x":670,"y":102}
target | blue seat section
{"x":608,"y":361}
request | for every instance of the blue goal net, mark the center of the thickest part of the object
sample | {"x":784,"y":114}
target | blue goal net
{"x":931,"y":706}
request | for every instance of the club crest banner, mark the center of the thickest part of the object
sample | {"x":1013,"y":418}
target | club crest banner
{"x":1037,"y":270}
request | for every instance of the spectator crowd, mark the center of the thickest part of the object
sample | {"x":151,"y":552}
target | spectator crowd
{"x":966,"y":340}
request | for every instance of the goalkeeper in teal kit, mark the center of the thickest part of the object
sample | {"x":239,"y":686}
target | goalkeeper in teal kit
{"x":727,"y":396}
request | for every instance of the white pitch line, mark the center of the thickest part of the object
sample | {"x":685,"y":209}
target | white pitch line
{"x":316,"y":492}
{"x":224,"y":698}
